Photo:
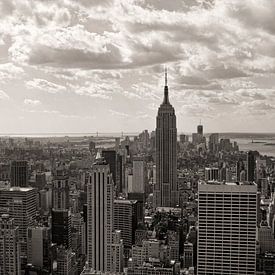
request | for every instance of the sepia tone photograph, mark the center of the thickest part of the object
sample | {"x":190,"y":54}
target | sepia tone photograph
{"x":137,"y":137}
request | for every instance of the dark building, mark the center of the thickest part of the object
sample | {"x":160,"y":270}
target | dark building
{"x":239,"y":168}
{"x":251,"y":165}
{"x":200,"y":130}
{"x":140,"y":201}
{"x":119,"y":173}
{"x":40,"y":180}
{"x":19,"y":173}
{"x":166,"y":188}
{"x":111,"y":159}
{"x":266,"y":263}
{"x":61,"y":188}
{"x":125,"y":219}
{"x":61,"y":227}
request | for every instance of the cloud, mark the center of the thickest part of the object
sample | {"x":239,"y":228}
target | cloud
{"x":3,"y":95}
{"x":44,"y":85}
{"x":119,"y":114}
{"x":9,"y":71}
{"x":32,"y":102}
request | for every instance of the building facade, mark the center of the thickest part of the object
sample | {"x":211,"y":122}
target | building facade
{"x":227,"y":217}
{"x":166,"y":187}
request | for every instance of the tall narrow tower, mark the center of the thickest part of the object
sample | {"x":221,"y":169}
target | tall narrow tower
{"x":100,"y":216}
{"x":166,"y":188}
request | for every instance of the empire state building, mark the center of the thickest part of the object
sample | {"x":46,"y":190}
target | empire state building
{"x":166,"y":187}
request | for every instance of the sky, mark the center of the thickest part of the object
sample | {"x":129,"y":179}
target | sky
{"x":84,"y":66}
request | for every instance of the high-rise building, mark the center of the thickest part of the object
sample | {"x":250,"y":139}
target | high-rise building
{"x":125,"y":220}
{"x":21,"y":204}
{"x":227,"y":218}
{"x":19,"y":173}
{"x":60,"y":189}
{"x":39,"y":247}
{"x":111,"y":158}
{"x":166,"y":187}
{"x":117,"y":252}
{"x":251,"y":165}
{"x":213,"y":143}
{"x":61,"y":227}
{"x":9,"y":246}
{"x":200,"y":130}
{"x":211,"y":174}
{"x":139,"y":175}
{"x":100,"y":216}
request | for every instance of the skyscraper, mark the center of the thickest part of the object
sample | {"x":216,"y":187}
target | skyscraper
{"x":251,"y":165}
{"x":21,"y":204}
{"x":100,"y":216}
{"x":227,"y":216}
{"x":139,"y":175}
{"x":39,"y":245}
{"x":61,"y":214}
{"x":213,"y":143}
{"x":166,"y":188}
{"x":9,"y":246}
{"x":125,"y":220}
{"x":19,"y":173}
{"x":60,"y":188}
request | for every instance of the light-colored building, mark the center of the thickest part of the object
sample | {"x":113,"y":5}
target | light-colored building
{"x":139,"y":175}
{"x":21,"y":204}
{"x":39,"y":243}
{"x":211,"y":174}
{"x":227,"y":218}
{"x":9,"y":246}
{"x":100,"y":216}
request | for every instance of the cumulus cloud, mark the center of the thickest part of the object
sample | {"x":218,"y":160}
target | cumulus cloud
{"x":44,"y":85}
{"x":3,"y":95}
{"x":32,"y":102}
{"x":220,"y":54}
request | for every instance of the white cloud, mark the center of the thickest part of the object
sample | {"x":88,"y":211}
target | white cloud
{"x":3,"y":95}
{"x":45,"y":85}
{"x":32,"y":102}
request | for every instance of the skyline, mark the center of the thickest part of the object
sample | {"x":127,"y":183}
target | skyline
{"x":83,"y":67}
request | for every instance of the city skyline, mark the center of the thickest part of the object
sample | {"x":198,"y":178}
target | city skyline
{"x":67,"y":67}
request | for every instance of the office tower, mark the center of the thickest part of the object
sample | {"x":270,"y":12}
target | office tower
{"x":188,"y":254}
{"x":266,"y":238}
{"x":19,"y":173}
{"x":60,"y":189}
{"x":227,"y":218}
{"x":61,"y":227}
{"x":92,"y":148}
{"x":140,"y":198}
{"x":21,"y":204}
{"x":239,"y":168}
{"x":117,"y":252}
{"x":213,"y":143}
{"x":139,"y":175}
{"x":200,"y":130}
{"x":110,"y":157}
{"x":9,"y":246}
{"x":211,"y":174}
{"x":120,"y":182}
{"x":39,"y":247}
{"x":100,"y":216}
{"x":166,"y":187}
{"x":183,"y":138}
{"x":125,"y":220}
{"x":173,"y":243}
{"x":5,"y":172}
{"x":251,"y":165}
{"x":66,"y":262}
{"x":40,"y":180}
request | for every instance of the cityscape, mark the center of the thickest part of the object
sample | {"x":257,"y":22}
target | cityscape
{"x":137,"y":137}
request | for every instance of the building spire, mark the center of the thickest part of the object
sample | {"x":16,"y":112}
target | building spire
{"x":166,"y":99}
